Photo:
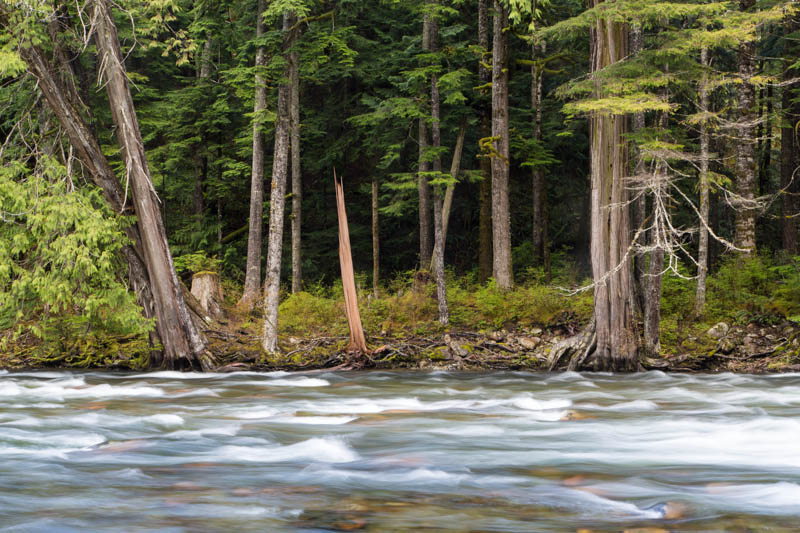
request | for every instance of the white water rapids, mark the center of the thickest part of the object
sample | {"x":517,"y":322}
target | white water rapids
{"x":398,"y":451}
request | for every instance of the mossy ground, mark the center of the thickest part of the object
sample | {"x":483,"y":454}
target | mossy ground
{"x":489,"y":328}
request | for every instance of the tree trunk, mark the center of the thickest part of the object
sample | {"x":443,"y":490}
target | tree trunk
{"x":455,"y":167}
{"x":423,"y":189}
{"x":357,"y":341}
{"x":746,"y":204}
{"x":200,"y":161}
{"x":252,"y":277}
{"x":297,"y":181}
{"x":790,"y":148}
{"x":438,"y":224}
{"x":280,"y":163}
{"x":207,"y":289}
{"x":485,"y":215}
{"x":376,"y":241}
{"x":617,"y":340}
{"x":541,"y":248}
{"x":501,"y":214}
{"x":702,"y":249}
{"x":765,"y":184}
{"x":184,"y":346}
{"x":640,"y":200}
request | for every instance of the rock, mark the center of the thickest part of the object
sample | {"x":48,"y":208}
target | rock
{"x":454,"y":348}
{"x":719,"y":330}
{"x":750,"y":343}
{"x":669,"y":510}
{"x":726,"y":345}
{"x":536,"y":331}
{"x":529,"y":343}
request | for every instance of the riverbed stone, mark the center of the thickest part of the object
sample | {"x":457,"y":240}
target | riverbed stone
{"x":529,"y":343}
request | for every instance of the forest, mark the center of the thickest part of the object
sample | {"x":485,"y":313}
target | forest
{"x":606,"y":185}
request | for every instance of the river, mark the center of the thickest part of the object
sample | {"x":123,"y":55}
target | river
{"x":398,"y":451}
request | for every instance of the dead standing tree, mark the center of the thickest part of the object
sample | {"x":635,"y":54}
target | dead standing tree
{"x":357,"y":344}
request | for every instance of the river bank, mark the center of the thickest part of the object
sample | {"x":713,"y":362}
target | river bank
{"x":750,"y":348}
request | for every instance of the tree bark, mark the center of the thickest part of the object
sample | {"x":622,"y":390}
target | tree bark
{"x":280,"y":164}
{"x":438,"y":223}
{"x":541,"y":248}
{"x":423,"y":189}
{"x":790,"y":148}
{"x":501,"y":214}
{"x":746,"y":205}
{"x":357,"y":341}
{"x":297,"y":181}
{"x":702,"y":249}
{"x":455,"y":167}
{"x":376,"y":240}
{"x":184,"y":346}
{"x":617,"y":340}
{"x":640,"y":200}
{"x":252,"y":277}
{"x":485,"y":215}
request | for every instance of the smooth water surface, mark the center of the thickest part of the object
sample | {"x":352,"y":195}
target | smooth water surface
{"x":398,"y":451}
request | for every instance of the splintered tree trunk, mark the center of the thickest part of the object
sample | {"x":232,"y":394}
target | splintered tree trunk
{"x":501,"y":214}
{"x":438,"y":224}
{"x":357,"y":341}
{"x":423,"y":189}
{"x":610,"y":239}
{"x":485,"y":215}
{"x":252,"y":278}
{"x":746,"y":207}
{"x":184,"y":346}
{"x":541,"y":249}
{"x":790,"y":150}
{"x":702,"y":250}
{"x":297,"y":181}
{"x":280,"y":163}
{"x":376,"y":240}
{"x":63,"y":101}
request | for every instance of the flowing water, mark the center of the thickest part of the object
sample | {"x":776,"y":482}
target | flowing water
{"x":398,"y":451}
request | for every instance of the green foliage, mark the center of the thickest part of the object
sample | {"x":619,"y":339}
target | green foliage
{"x":59,"y":256}
{"x":307,"y":314}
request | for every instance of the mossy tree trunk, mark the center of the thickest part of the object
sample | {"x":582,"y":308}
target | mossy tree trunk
{"x":485,"y":199}
{"x":252,"y":279}
{"x":501,"y":210}
{"x":746,"y":204}
{"x":702,"y":249}
{"x":423,"y":166}
{"x":438,"y":224}
{"x":280,"y":167}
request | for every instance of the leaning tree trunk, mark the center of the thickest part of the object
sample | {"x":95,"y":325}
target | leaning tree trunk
{"x":63,"y":100}
{"x":746,"y":204}
{"x":617,"y":340}
{"x":702,"y":250}
{"x":252,"y":277}
{"x":485,"y":214}
{"x":455,"y":167}
{"x":184,"y":346}
{"x":423,"y":189}
{"x":297,"y":181}
{"x":501,"y":214}
{"x":438,"y":225}
{"x":541,"y":249}
{"x":280,"y":163}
